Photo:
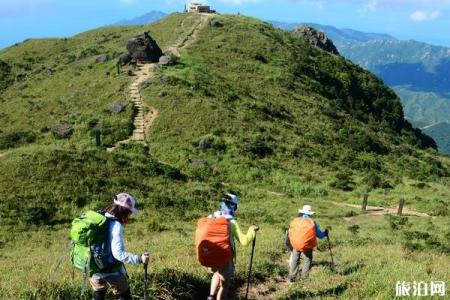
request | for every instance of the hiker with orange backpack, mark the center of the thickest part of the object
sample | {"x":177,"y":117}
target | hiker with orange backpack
{"x":303,"y":234}
{"x":214,"y":240}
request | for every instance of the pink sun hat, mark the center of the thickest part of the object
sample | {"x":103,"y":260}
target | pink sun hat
{"x":127,"y":201}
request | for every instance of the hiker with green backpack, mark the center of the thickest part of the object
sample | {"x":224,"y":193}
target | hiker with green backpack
{"x":99,"y":250}
{"x":214,"y":238}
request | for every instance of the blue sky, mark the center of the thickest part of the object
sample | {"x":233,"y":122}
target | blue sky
{"x":423,"y":20}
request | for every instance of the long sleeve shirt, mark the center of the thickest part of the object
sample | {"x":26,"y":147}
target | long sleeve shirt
{"x":319,"y":233}
{"x":237,"y":234}
{"x":114,"y":248}
{"x":243,"y":239}
{"x":117,"y":246}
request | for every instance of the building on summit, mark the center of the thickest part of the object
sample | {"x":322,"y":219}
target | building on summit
{"x":199,"y":8}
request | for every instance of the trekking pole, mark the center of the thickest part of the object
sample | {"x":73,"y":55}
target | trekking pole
{"x":331,"y":252}
{"x":250,"y":267}
{"x":145,"y":277}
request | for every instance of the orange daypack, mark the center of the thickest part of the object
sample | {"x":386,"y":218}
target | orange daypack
{"x":302,"y":234}
{"x":212,"y":242}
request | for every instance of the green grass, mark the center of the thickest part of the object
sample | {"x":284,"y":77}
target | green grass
{"x":369,"y":262}
{"x":249,"y":109}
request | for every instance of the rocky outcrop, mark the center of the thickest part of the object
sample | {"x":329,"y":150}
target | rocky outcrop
{"x":316,"y":38}
{"x":165,"y":60}
{"x":216,"y":24}
{"x":124,"y":59}
{"x":62,"y":131}
{"x":99,"y":59}
{"x":117,"y":108}
{"x":144,"y":48}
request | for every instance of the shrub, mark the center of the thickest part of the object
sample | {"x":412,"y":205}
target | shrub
{"x":232,"y":96}
{"x":36,"y":215}
{"x":354,"y":229}
{"x":155,"y":225}
{"x":343,"y":181}
{"x":200,"y":169}
{"x":6,"y":78}
{"x":374,"y":180}
{"x":363,"y":142}
{"x":258,"y":147}
{"x":15,"y":139}
{"x":116,"y":130}
{"x":397,"y":222}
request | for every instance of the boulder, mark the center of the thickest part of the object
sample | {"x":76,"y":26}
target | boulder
{"x":125,"y":59}
{"x":216,"y":23}
{"x":205,"y":144}
{"x":117,"y":108}
{"x":144,"y":48}
{"x":316,"y":38}
{"x":101,"y":58}
{"x":165,"y":60}
{"x":62,"y":130}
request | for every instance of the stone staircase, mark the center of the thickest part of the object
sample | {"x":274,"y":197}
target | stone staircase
{"x":144,"y":72}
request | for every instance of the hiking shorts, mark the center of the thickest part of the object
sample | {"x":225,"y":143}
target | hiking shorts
{"x":118,"y":283}
{"x":226,"y":272}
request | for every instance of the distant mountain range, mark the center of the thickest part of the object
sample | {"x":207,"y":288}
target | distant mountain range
{"x":148,"y":18}
{"x":418,"y":72}
{"x":337,"y":35}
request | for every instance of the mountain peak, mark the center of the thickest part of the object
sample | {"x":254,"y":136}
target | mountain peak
{"x":148,"y":18}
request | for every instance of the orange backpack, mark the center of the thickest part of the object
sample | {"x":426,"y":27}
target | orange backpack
{"x":302,"y":234}
{"x":212,"y":242}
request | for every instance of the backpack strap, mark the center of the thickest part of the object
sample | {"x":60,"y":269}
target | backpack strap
{"x":85,"y":271}
{"x":233,"y":245}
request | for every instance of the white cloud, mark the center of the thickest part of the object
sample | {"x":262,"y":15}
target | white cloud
{"x":419,"y":16}
{"x":371,"y":5}
{"x":435,"y":14}
{"x":424,"y":15}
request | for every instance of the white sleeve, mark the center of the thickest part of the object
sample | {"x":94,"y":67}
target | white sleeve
{"x":118,"y":247}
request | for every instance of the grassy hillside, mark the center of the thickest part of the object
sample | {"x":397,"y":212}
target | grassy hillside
{"x":58,"y":81}
{"x":247,"y":108}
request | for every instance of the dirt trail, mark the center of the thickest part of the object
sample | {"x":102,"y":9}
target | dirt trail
{"x":142,"y":122}
{"x":263,"y":290}
{"x":186,"y":40}
{"x":145,"y":72}
{"x":380,"y":211}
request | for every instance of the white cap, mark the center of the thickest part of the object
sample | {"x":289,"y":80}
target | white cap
{"x":307,"y":210}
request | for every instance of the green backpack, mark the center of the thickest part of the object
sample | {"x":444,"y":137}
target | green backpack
{"x":89,"y":233}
